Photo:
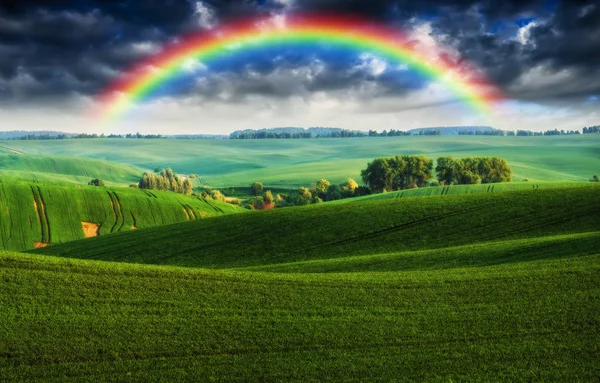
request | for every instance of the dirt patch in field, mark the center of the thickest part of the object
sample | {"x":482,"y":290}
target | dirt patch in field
{"x":37,"y":245}
{"x":133,"y":227}
{"x":90,"y":229}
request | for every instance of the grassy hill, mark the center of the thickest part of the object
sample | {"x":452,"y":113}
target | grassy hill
{"x":293,"y":163}
{"x":56,"y":169}
{"x":466,"y":189}
{"x":482,"y":287}
{"x":368,"y":228}
{"x":34,"y":215}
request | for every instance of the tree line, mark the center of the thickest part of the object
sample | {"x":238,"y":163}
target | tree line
{"x":591,"y":129}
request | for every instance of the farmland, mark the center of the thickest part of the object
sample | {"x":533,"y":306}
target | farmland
{"x":450,"y":283}
{"x":293,"y":163}
{"x":64,"y":170}
{"x":33,"y":214}
{"x":366,"y":228}
{"x":457,"y":287}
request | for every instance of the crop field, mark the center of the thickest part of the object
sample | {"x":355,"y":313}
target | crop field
{"x":493,"y":282}
{"x":36,"y":215}
{"x":466,"y":189}
{"x":328,"y":231}
{"x":481,"y":287}
{"x":65,"y":170}
{"x":293,"y":163}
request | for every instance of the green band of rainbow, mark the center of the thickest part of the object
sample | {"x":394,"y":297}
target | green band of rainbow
{"x":466,"y":83}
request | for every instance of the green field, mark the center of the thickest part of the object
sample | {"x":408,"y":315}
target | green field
{"x":368,"y":228}
{"x":56,"y":169}
{"x":33,"y":214}
{"x":293,"y":163}
{"x":482,"y":287}
{"x":493,"y":282}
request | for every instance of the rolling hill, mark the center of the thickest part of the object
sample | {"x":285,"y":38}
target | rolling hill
{"x":479,"y":287}
{"x":368,"y":228}
{"x":62,"y":170}
{"x":35,"y":215}
{"x":294,"y":163}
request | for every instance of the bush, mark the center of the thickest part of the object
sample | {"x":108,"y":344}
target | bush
{"x":133,"y":185}
{"x":96,"y":182}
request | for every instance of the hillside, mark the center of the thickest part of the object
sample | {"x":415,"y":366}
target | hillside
{"x":294,"y":163}
{"x":58,"y":169}
{"x":465,"y":189}
{"x":510,"y":310}
{"x":35,"y":215}
{"x":368,"y":228}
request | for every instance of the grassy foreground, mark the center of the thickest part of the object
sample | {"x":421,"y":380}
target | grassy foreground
{"x":472,"y":287}
{"x":520,"y":320}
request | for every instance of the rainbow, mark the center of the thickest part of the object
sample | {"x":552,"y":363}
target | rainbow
{"x":356,"y":34}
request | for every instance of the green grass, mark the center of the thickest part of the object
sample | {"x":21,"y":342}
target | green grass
{"x":57,"y":169}
{"x":32,"y":213}
{"x":471,"y":287}
{"x":367,"y":228}
{"x":293,"y":163}
{"x":527,"y":319}
{"x":466,"y":189}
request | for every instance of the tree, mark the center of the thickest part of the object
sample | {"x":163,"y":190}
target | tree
{"x":268,"y":197}
{"x":446,"y":170}
{"x":187,"y":186}
{"x":334,"y":192}
{"x":256,"y":188}
{"x":304,"y":196}
{"x":350,"y":186}
{"x":595,"y":179}
{"x":96,"y":182}
{"x":321,"y":187}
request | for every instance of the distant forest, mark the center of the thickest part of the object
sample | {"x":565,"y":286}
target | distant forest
{"x":301,"y":133}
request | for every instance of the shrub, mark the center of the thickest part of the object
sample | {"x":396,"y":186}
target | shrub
{"x":96,"y":182}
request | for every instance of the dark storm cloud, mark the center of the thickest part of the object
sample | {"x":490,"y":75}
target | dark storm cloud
{"x":50,"y":49}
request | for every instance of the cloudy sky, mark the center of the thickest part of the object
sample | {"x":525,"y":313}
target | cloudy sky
{"x":56,"y":57}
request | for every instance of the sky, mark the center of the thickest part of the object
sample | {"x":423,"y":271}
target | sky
{"x":58,"y":57}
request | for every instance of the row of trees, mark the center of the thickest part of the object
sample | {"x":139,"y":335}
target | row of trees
{"x":406,"y":172}
{"x":591,"y":129}
{"x":165,"y":180}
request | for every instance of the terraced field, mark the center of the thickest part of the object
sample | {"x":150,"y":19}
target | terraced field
{"x":35,"y":215}
{"x":480,"y":287}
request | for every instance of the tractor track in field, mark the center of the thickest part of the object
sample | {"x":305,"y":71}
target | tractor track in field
{"x":120,"y":210}
{"x":399,"y":227}
{"x":40,"y":209}
{"x":115,"y":214}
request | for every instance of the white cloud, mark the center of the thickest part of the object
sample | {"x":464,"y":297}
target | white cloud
{"x":206,"y":15}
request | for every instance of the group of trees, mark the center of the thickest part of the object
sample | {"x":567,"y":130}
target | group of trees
{"x":165,"y":180}
{"x":591,"y":129}
{"x":399,"y":172}
{"x":406,"y":172}
{"x":472,"y":170}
